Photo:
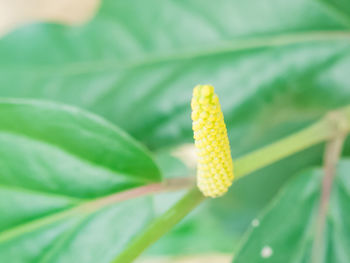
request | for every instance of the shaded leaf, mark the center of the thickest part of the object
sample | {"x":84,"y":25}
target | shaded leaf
{"x":285,"y":232}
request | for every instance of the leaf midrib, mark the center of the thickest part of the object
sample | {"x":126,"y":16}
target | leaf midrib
{"x":237,"y":45}
{"x":83,"y":208}
{"x":42,"y":193}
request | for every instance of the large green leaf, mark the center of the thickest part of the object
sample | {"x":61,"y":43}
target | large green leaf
{"x":85,"y":233}
{"x":78,"y":134}
{"x":276,"y":65}
{"x":285,"y":232}
{"x":60,"y":172}
{"x":270,"y":60}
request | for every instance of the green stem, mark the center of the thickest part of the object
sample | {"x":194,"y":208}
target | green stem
{"x":161,"y":225}
{"x":321,"y":131}
{"x":316,"y":133}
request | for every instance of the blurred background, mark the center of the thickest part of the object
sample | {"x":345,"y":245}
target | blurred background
{"x":277,"y":66}
{"x":19,"y":12}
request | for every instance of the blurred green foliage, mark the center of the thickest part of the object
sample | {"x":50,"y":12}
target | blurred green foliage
{"x":277,"y":66}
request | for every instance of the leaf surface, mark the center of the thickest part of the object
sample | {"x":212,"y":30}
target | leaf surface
{"x":286,"y":230}
{"x":276,"y":65}
{"x":61,"y":170}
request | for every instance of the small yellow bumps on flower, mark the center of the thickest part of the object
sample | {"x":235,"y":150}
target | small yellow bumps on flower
{"x":215,"y":167}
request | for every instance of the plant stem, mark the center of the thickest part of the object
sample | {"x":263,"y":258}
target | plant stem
{"x":324,"y":130}
{"x":332,"y":155}
{"x":161,"y":225}
{"x":272,"y":153}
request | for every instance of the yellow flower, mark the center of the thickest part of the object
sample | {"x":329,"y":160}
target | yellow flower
{"x":215,"y":167}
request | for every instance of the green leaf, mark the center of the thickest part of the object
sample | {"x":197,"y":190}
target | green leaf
{"x":79,"y":134}
{"x":277,"y":65}
{"x":285,"y":232}
{"x":85,"y":234}
{"x":61,"y":172}
{"x":270,"y":61}
{"x":339,"y":9}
